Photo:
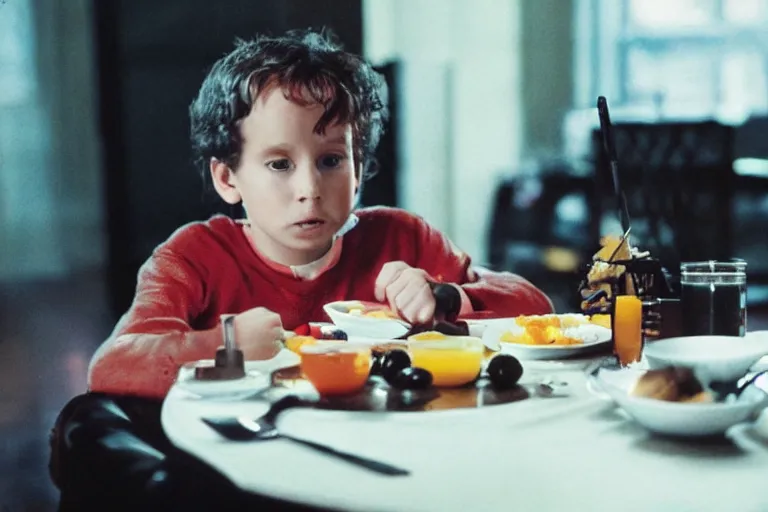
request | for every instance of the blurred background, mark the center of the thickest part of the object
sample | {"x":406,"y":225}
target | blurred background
{"x":492,"y":140}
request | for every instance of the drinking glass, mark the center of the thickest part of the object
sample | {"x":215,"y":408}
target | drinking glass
{"x":713,"y":299}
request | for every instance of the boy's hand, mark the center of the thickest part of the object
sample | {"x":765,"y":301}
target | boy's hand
{"x":257,"y":333}
{"x":407,"y":290}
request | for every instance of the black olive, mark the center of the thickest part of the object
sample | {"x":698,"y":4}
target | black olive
{"x":376,"y":363}
{"x":504,"y":371}
{"x":392,"y":362}
{"x":333,"y":333}
{"x":338,"y":334}
{"x":412,"y":378}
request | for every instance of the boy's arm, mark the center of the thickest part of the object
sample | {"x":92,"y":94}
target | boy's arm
{"x":502,"y":293}
{"x":154,"y":338}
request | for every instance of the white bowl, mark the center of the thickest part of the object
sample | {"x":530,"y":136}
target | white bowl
{"x":712,"y":358}
{"x":364,"y":326}
{"x":675,"y":418}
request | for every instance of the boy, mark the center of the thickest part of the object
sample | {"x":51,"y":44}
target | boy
{"x":288,"y":127}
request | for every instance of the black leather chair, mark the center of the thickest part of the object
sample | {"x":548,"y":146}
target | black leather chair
{"x":110,"y":453}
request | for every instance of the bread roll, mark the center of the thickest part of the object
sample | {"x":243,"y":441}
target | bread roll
{"x":673,"y":384}
{"x":658,"y":384}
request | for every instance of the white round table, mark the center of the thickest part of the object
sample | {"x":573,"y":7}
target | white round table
{"x":573,"y":451}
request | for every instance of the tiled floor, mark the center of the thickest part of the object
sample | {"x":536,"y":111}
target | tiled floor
{"x":48,"y":332}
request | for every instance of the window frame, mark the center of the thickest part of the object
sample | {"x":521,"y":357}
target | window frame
{"x":604,"y":38}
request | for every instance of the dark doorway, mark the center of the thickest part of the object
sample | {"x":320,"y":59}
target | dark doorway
{"x":152,"y":57}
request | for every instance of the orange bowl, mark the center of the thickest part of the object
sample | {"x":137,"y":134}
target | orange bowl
{"x":336,"y":368}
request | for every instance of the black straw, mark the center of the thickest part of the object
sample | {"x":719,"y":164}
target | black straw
{"x":606,"y":129}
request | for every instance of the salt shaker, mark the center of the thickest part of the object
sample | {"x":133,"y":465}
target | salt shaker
{"x":229,"y":362}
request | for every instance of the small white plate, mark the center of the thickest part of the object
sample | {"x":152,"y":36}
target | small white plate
{"x":256,"y":378}
{"x":720,"y":358}
{"x":226,"y":389}
{"x":364,"y":326}
{"x":674,"y":418}
{"x":595,"y":337}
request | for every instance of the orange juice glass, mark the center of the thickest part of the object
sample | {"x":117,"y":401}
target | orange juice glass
{"x":336,"y":368}
{"x":453,"y":361}
{"x":628,"y":328}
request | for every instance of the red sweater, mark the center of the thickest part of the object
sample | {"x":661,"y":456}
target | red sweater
{"x":206,"y":269}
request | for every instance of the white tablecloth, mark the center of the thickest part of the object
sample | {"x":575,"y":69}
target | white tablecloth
{"x":575,"y":452}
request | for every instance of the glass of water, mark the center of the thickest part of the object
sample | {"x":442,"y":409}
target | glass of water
{"x":713,"y":298}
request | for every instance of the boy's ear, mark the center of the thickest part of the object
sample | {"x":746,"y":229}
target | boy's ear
{"x":224,"y":181}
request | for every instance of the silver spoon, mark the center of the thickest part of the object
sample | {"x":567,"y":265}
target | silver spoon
{"x":263,"y":428}
{"x":724,"y":389}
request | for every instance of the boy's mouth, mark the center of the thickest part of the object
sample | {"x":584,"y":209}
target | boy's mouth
{"x":309,"y":223}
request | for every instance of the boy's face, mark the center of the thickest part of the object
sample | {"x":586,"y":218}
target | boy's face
{"x":297,"y":186}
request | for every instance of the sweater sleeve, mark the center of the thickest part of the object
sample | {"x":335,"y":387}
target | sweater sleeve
{"x":154,"y":338}
{"x":501,"y":293}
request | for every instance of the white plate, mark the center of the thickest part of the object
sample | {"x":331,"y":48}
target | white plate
{"x":595,"y":338}
{"x":673,"y":418}
{"x":722,"y":358}
{"x":375,"y":341}
{"x":364,"y":326}
{"x":256,"y":378}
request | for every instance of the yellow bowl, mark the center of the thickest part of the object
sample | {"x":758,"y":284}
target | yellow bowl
{"x":452,"y":361}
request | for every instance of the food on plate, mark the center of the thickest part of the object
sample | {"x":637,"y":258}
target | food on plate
{"x":671,"y":384}
{"x":657,"y":384}
{"x":537,"y":336}
{"x":602,"y":320}
{"x":378,"y":311}
{"x":310,"y":334}
{"x":560,"y":321}
{"x":504,"y":371}
{"x":412,"y":378}
{"x":294,"y":343}
{"x":544,"y":330}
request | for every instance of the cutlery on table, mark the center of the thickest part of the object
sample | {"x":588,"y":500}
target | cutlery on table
{"x":723,"y":389}
{"x":263,"y":428}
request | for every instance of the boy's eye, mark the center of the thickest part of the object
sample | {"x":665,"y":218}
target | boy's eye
{"x":331,"y":161}
{"x":279,"y":165}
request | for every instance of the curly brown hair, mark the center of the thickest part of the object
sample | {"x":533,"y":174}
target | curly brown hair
{"x":311,"y":68}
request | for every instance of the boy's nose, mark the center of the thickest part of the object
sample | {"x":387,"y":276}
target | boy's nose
{"x":307,"y":184}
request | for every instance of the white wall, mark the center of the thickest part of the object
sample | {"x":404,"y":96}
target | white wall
{"x":460,"y":125}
